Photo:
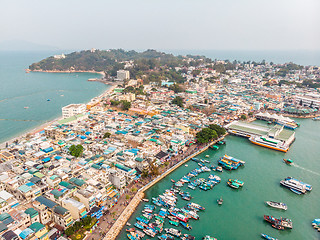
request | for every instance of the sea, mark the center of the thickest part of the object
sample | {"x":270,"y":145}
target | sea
{"x":241,"y":214}
{"x":43,"y":94}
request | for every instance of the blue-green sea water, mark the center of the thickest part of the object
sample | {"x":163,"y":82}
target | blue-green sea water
{"x":20,"y":89}
{"x":241,"y":215}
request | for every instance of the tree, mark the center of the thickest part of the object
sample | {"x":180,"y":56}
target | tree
{"x":125,"y":105}
{"x":243,"y":117}
{"x":219,"y":130}
{"x":107,"y":135}
{"x":76,"y":150}
{"x":206,"y":135}
{"x":178,"y":101}
{"x":176,"y":88}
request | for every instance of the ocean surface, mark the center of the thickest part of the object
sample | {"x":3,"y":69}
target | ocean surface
{"x":303,"y":57}
{"x":241,"y":215}
{"x":20,"y":89}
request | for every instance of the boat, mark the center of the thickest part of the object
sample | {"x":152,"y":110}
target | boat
{"x":207,"y":156}
{"x":240,"y":183}
{"x":267,"y":142}
{"x":278,"y":205}
{"x":214,"y":147}
{"x":288,"y":161}
{"x":166,"y":237}
{"x":186,"y":165}
{"x":173,"y":181}
{"x":48,"y":100}
{"x":207,"y":237}
{"x":265,"y":236}
{"x":145,"y":200}
{"x":173,"y":231}
{"x":25,"y":107}
{"x":230,"y":163}
{"x":130,"y":230}
{"x":131,"y":237}
{"x":128,"y":224}
{"x":174,"y":223}
{"x":316,"y":119}
{"x":220,"y":201}
{"x":195,"y":206}
{"x":233,"y":185}
{"x":185,"y":225}
{"x":295,"y":185}
{"x":278,"y":223}
{"x":222,"y":142}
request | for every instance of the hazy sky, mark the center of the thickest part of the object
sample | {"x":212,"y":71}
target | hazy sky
{"x":164,"y":24}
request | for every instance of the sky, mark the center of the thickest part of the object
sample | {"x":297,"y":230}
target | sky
{"x":163,"y":24}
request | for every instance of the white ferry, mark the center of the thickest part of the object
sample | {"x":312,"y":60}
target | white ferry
{"x":267,"y":142}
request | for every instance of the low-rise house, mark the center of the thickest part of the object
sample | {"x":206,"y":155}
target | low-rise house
{"x":77,"y":209}
{"x":62,"y":217}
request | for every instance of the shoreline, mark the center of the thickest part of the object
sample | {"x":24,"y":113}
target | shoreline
{"x":124,"y":217}
{"x":47,"y":123}
{"x":66,"y":71}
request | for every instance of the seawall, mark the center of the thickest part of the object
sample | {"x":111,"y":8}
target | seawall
{"x":129,"y":210}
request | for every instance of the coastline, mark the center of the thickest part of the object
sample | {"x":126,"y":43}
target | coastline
{"x":66,"y":71}
{"x":117,"y":227}
{"x":47,"y":123}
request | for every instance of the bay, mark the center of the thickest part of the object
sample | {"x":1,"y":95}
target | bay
{"x":20,"y":89}
{"x":241,"y":215}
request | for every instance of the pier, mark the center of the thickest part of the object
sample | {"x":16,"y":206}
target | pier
{"x":129,"y":210}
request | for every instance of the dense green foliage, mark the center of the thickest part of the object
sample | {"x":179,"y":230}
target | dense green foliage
{"x":125,"y":105}
{"x":76,"y":150}
{"x":107,"y":60}
{"x":176,"y":88}
{"x":86,"y":222}
{"x":219,"y":130}
{"x":178,"y":101}
{"x":138,"y":90}
{"x":106,"y":135}
{"x":206,"y":135}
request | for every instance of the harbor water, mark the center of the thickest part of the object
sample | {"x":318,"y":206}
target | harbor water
{"x":241,"y":214}
{"x":24,"y":96}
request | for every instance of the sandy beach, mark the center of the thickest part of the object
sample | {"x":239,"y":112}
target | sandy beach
{"x":48,"y":123}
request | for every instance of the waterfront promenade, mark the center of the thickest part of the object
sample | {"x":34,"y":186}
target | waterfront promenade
{"x":129,"y":210}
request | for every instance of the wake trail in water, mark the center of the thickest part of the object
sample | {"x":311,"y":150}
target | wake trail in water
{"x":305,"y":169}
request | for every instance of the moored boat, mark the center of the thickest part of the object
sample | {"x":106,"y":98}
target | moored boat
{"x":278,"y":223}
{"x":278,"y":205}
{"x":233,"y":185}
{"x":265,"y":236}
{"x":220,"y":201}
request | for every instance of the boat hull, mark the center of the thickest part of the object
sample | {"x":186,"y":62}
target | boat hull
{"x":267,"y":146}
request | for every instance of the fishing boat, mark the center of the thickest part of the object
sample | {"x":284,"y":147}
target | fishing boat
{"x":214,"y":147}
{"x":220,"y":201}
{"x":186,"y":165}
{"x":265,"y":236}
{"x":195,"y":206}
{"x":278,"y":223}
{"x":277,"y":205}
{"x":131,"y":237}
{"x":288,"y":161}
{"x":230,"y":163}
{"x":240,"y":183}
{"x":48,"y":100}
{"x":185,"y":225}
{"x":187,"y":237}
{"x":316,"y":119}
{"x":222,"y":142}
{"x":130,"y":230}
{"x":166,"y":237}
{"x":173,"y":181}
{"x":208,"y":238}
{"x":145,"y":200}
{"x":174,"y":223}
{"x":173,"y":231}
{"x":207,"y":156}
{"x":233,"y":185}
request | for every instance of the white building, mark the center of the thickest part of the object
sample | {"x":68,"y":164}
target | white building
{"x":59,"y":56}
{"x":123,"y":75}
{"x":309,"y":100}
{"x":73,"y":109}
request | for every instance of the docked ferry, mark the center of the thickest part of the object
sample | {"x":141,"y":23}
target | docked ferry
{"x":269,"y":143}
